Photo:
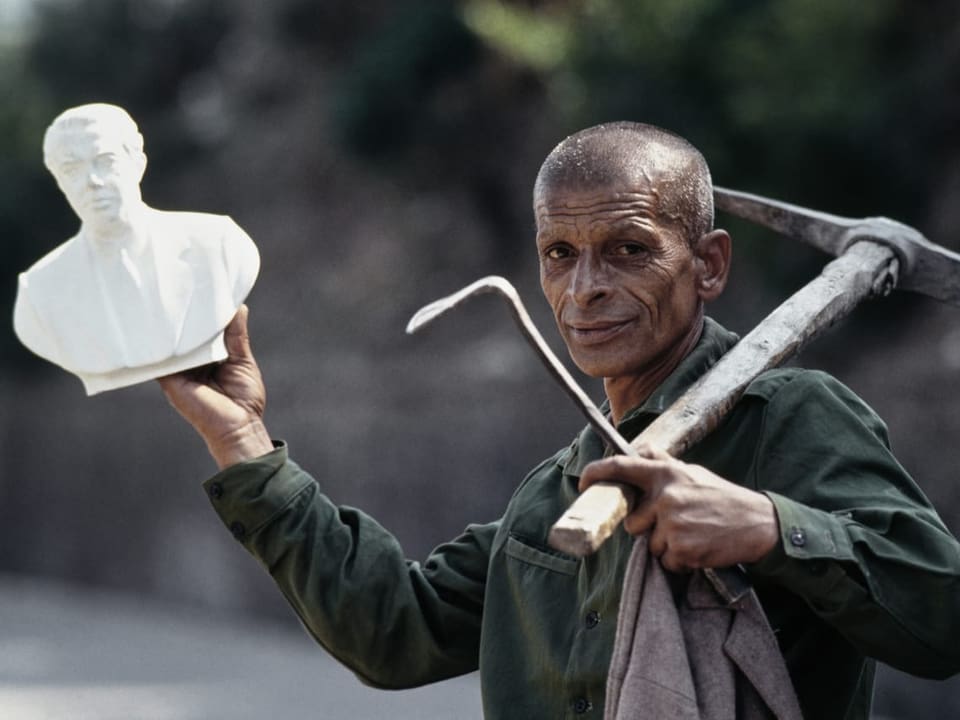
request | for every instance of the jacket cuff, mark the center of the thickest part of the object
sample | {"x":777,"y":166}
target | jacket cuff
{"x":248,"y":495}
{"x":812,"y":550}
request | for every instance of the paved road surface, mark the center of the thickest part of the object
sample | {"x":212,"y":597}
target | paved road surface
{"x":69,"y":653}
{"x":76,"y":654}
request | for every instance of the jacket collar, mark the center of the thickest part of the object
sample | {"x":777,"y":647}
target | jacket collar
{"x":714,"y":342}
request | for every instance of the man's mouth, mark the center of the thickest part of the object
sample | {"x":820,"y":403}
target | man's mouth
{"x":594,"y":333}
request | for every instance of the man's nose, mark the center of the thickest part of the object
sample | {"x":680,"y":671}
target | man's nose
{"x":590,"y":281}
{"x":94,"y":179}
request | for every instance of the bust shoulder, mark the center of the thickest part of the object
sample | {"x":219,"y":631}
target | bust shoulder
{"x":204,"y":231}
{"x":68,"y":258}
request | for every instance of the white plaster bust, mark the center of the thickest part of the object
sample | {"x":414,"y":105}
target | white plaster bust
{"x":137,"y":293}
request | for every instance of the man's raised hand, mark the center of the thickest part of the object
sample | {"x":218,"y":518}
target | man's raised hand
{"x":224,"y":402}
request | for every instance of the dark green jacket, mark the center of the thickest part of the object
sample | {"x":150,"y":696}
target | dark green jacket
{"x":864,"y":568}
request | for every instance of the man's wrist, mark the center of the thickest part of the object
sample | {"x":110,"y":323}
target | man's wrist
{"x":245,"y":443}
{"x":767,"y":531}
{"x":758,"y":532}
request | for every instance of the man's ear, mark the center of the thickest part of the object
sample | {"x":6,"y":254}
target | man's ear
{"x":712,"y":252}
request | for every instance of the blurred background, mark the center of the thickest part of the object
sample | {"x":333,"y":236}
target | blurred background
{"x":381,"y":154}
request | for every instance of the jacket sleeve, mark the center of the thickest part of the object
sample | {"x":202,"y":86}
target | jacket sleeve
{"x":859,"y":541}
{"x":395,"y":622}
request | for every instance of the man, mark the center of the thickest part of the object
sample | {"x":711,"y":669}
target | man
{"x":137,"y":292}
{"x":797,"y":485}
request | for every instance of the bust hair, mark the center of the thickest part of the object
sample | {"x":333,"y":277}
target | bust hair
{"x":604,"y":155}
{"x":101,"y":118}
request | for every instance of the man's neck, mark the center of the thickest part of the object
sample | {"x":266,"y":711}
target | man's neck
{"x":630,"y":391}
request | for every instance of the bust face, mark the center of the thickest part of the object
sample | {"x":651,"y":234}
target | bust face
{"x":98,"y":176}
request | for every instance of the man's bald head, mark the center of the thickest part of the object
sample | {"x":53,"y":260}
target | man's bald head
{"x":617,"y":154}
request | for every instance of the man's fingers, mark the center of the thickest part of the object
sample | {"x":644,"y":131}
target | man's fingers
{"x":640,"y":472}
{"x":649,"y":474}
{"x":642,"y":518}
{"x":236,"y":337}
{"x":609,"y":469}
{"x":657,"y":543}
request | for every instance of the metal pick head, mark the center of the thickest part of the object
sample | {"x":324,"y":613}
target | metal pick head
{"x":925,"y":267}
{"x":491,"y":283}
{"x":822,"y":230}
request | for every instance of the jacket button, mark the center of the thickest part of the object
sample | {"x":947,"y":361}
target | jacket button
{"x":798,"y":538}
{"x":582,"y":705}
{"x":216,"y":491}
{"x":592,"y":619}
{"x":238,"y":530}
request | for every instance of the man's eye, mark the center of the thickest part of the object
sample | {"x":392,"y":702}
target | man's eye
{"x":627,"y":249}
{"x":557,"y":252}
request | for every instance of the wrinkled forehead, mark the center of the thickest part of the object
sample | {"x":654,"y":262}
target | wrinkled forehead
{"x":598,"y":210}
{"x":617,"y":162}
{"x":668,"y":176}
{"x":611,"y":191}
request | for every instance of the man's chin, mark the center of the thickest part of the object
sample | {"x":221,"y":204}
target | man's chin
{"x":598,"y":368}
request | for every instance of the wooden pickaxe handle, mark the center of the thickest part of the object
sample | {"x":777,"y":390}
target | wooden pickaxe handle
{"x":865,"y":269}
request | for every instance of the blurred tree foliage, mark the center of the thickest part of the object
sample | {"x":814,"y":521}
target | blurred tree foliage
{"x":840,"y":105}
{"x":381,"y":99}
{"x":137,"y":54}
{"x":835,"y":104}
{"x":832,"y":100}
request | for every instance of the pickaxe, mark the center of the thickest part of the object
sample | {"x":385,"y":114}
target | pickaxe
{"x":874,"y":255}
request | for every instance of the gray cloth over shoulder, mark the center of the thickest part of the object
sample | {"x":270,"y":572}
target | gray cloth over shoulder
{"x":697,"y":659}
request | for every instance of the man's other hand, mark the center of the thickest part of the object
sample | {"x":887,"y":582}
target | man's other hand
{"x":224,"y":402}
{"x":695,"y":518}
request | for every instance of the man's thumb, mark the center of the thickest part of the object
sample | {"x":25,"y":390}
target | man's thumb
{"x":236,"y":337}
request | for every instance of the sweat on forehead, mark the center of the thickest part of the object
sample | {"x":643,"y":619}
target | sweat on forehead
{"x":608,"y":156}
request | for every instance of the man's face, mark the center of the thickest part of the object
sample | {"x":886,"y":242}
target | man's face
{"x":99,"y":178}
{"x":620,"y":279}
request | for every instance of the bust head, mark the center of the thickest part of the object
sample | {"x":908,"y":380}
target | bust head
{"x":95,"y":153}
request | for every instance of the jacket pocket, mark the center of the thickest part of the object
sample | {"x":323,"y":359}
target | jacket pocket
{"x":524,"y":552}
